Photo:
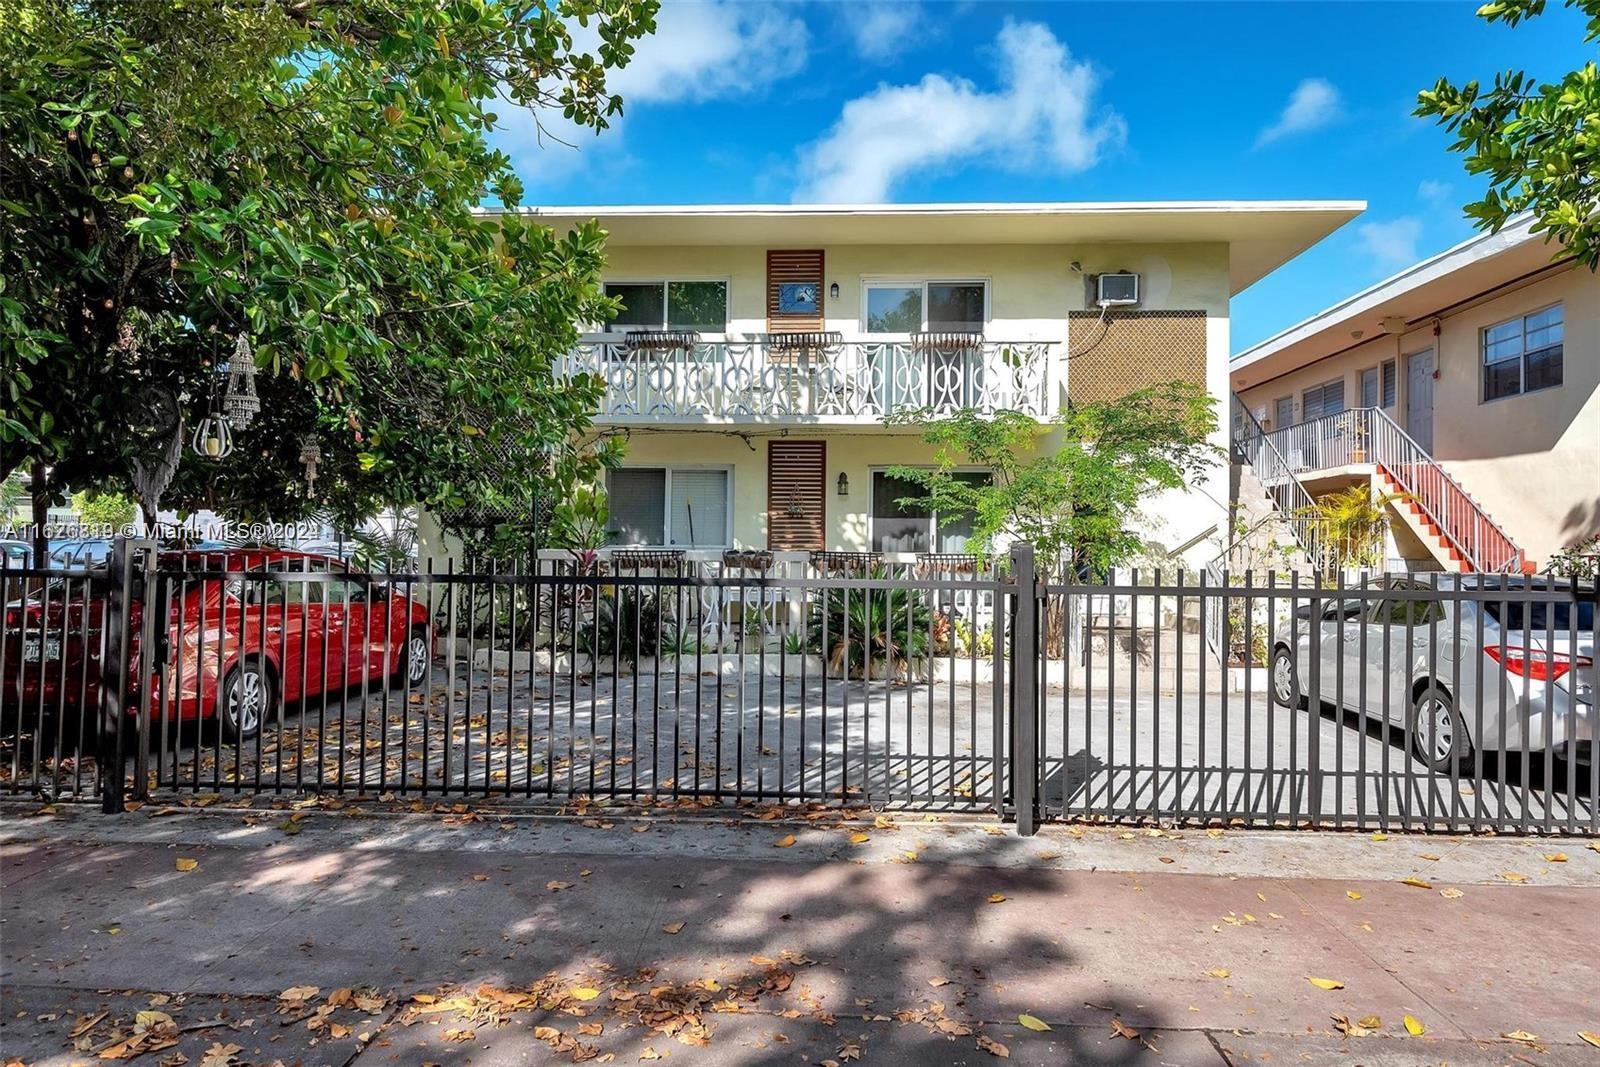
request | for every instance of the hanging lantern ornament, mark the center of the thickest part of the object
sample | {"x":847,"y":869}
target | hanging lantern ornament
{"x":310,"y":456}
{"x":240,"y":401}
{"x":212,"y":439}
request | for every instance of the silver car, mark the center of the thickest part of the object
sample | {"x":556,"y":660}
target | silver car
{"x":1459,"y":671}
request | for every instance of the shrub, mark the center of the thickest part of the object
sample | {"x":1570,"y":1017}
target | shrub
{"x":891,"y":624}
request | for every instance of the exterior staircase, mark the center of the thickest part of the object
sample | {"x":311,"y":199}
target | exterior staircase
{"x":1438,"y":510}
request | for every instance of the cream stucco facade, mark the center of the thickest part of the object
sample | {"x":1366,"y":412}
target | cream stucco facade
{"x":1531,"y":460}
{"x":1035,"y":269}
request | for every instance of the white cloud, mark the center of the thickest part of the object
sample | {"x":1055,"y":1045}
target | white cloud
{"x":880,"y":30}
{"x":711,"y":49}
{"x":1432,"y":191}
{"x":1041,"y":114}
{"x":1314,"y":103}
{"x":1391,"y":245}
{"x":701,"y":50}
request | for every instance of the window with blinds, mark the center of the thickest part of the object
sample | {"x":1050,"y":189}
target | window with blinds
{"x":1320,"y":400}
{"x":680,"y":507}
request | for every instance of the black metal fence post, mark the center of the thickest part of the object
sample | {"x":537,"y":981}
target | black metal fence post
{"x":113,"y":671}
{"x":1024,"y":695}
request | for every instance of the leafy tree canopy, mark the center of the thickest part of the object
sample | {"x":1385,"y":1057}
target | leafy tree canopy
{"x":1077,"y":504}
{"x":1538,"y":142}
{"x":309,"y":174}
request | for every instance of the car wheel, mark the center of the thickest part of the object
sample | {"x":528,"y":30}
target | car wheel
{"x":1438,"y":734}
{"x":246,"y":697}
{"x":1285,"y":679}
{"x":413,"y":670}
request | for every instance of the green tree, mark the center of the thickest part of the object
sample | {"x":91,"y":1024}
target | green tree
{"x":1537,"y":142}
{"x":310,"y":175}
{"x":106,"y":510}
{"x":1077,"y":500}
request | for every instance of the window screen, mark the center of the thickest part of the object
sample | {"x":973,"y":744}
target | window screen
{"x":636,"y":498}
{"x":699,"y":508}
{"x":955,"y":306}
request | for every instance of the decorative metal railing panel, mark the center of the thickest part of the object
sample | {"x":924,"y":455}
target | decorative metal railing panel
{"x":844,"y":380}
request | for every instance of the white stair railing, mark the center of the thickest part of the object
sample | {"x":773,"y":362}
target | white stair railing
{"x":1363,"y":436}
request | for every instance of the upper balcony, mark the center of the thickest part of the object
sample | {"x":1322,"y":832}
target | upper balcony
{"x":674,"y":376}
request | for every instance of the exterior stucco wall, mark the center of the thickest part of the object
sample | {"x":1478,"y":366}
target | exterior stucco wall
{"x":1031,"y":289}
{"x":1532,"y":461}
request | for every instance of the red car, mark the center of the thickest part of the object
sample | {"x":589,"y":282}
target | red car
{"x":253,"y":640}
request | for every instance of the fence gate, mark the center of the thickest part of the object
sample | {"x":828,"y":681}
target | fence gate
{"x":938,"y":682}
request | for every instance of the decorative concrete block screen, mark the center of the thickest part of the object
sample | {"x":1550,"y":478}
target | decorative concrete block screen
{"x":1130,"y":350}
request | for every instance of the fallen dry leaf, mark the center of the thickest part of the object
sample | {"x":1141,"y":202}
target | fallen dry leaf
{"x":1521,"y":1035}
{"x":783,"y":842}
{"x":997,"y":898}
{"x":1451,"y":893}
{"x":993,"y":1047}
{"x":1033,"y":1023}
{"x":1513,"y":876}
{"x":184,"y":863}
{"x":860,"y":838}
{"x":1325,"y":983}
{"x":1352,"y":894}
{"x":1417,"y":883}
{"x":1591,"y":1038}
{"x":1219,"y":972}
{"x":1122,"y":1029}
{"x":672,"y":928}
{"x":1555,"y":857}
{"x":1414,"y":1026}
{"x":584,"y":992}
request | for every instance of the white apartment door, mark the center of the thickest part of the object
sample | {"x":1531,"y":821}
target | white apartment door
{"x":1419,"y":399}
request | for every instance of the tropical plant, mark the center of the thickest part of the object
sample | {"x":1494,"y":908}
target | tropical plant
{"x":1351,"y":525}
{"x":630,"y":624}
{"x":862,"y":632}
{"x":1581,"y":559}
{"x":1534,"y":140}
{"x":310,"y":176}
{"x":579,"y":520}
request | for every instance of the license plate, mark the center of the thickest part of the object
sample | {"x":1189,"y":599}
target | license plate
{"x":34,"y":649}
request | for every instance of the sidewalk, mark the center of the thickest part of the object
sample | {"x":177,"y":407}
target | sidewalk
{"x":538,"y":939}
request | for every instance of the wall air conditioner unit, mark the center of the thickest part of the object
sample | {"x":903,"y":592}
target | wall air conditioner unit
{"x":1117,"y":290}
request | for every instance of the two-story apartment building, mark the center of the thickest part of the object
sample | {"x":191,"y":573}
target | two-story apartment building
{"x":1466,"y":388}
{"x":762,"y":351}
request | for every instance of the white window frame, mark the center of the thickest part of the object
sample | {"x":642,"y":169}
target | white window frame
{"x":666,"y":519}
{"x":933,"y":520}
{"x":891,"y":280}
{"x":611,"y":331}
{"x":1521,"y":357}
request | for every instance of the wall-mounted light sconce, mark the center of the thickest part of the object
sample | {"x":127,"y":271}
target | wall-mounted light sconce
{"x":844,"y":484}
{"x":833,"y":291}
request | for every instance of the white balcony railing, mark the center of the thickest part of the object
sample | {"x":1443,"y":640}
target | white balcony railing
{"x":846,"y":381}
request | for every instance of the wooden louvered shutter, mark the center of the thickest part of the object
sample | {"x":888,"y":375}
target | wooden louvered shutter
{"x":796,"y":471}
{"x":802,"y":266}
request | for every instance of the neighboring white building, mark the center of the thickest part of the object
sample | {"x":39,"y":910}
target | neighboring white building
{"x":762,"y":347}
{"x":1469,"y":384}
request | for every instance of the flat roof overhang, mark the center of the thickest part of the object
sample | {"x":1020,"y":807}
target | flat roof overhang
{"x":1422,"y":292}
{"x":1261,"y":235}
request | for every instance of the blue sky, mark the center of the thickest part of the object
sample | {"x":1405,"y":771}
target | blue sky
{"x":739,"y":101}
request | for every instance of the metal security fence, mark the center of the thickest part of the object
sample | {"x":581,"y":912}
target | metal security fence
{"x":937,"y":683}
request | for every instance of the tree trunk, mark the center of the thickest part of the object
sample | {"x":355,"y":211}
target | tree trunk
{"x":41,"y":515}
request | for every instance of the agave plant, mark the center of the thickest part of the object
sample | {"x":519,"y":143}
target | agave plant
{"x":859,"y":632}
